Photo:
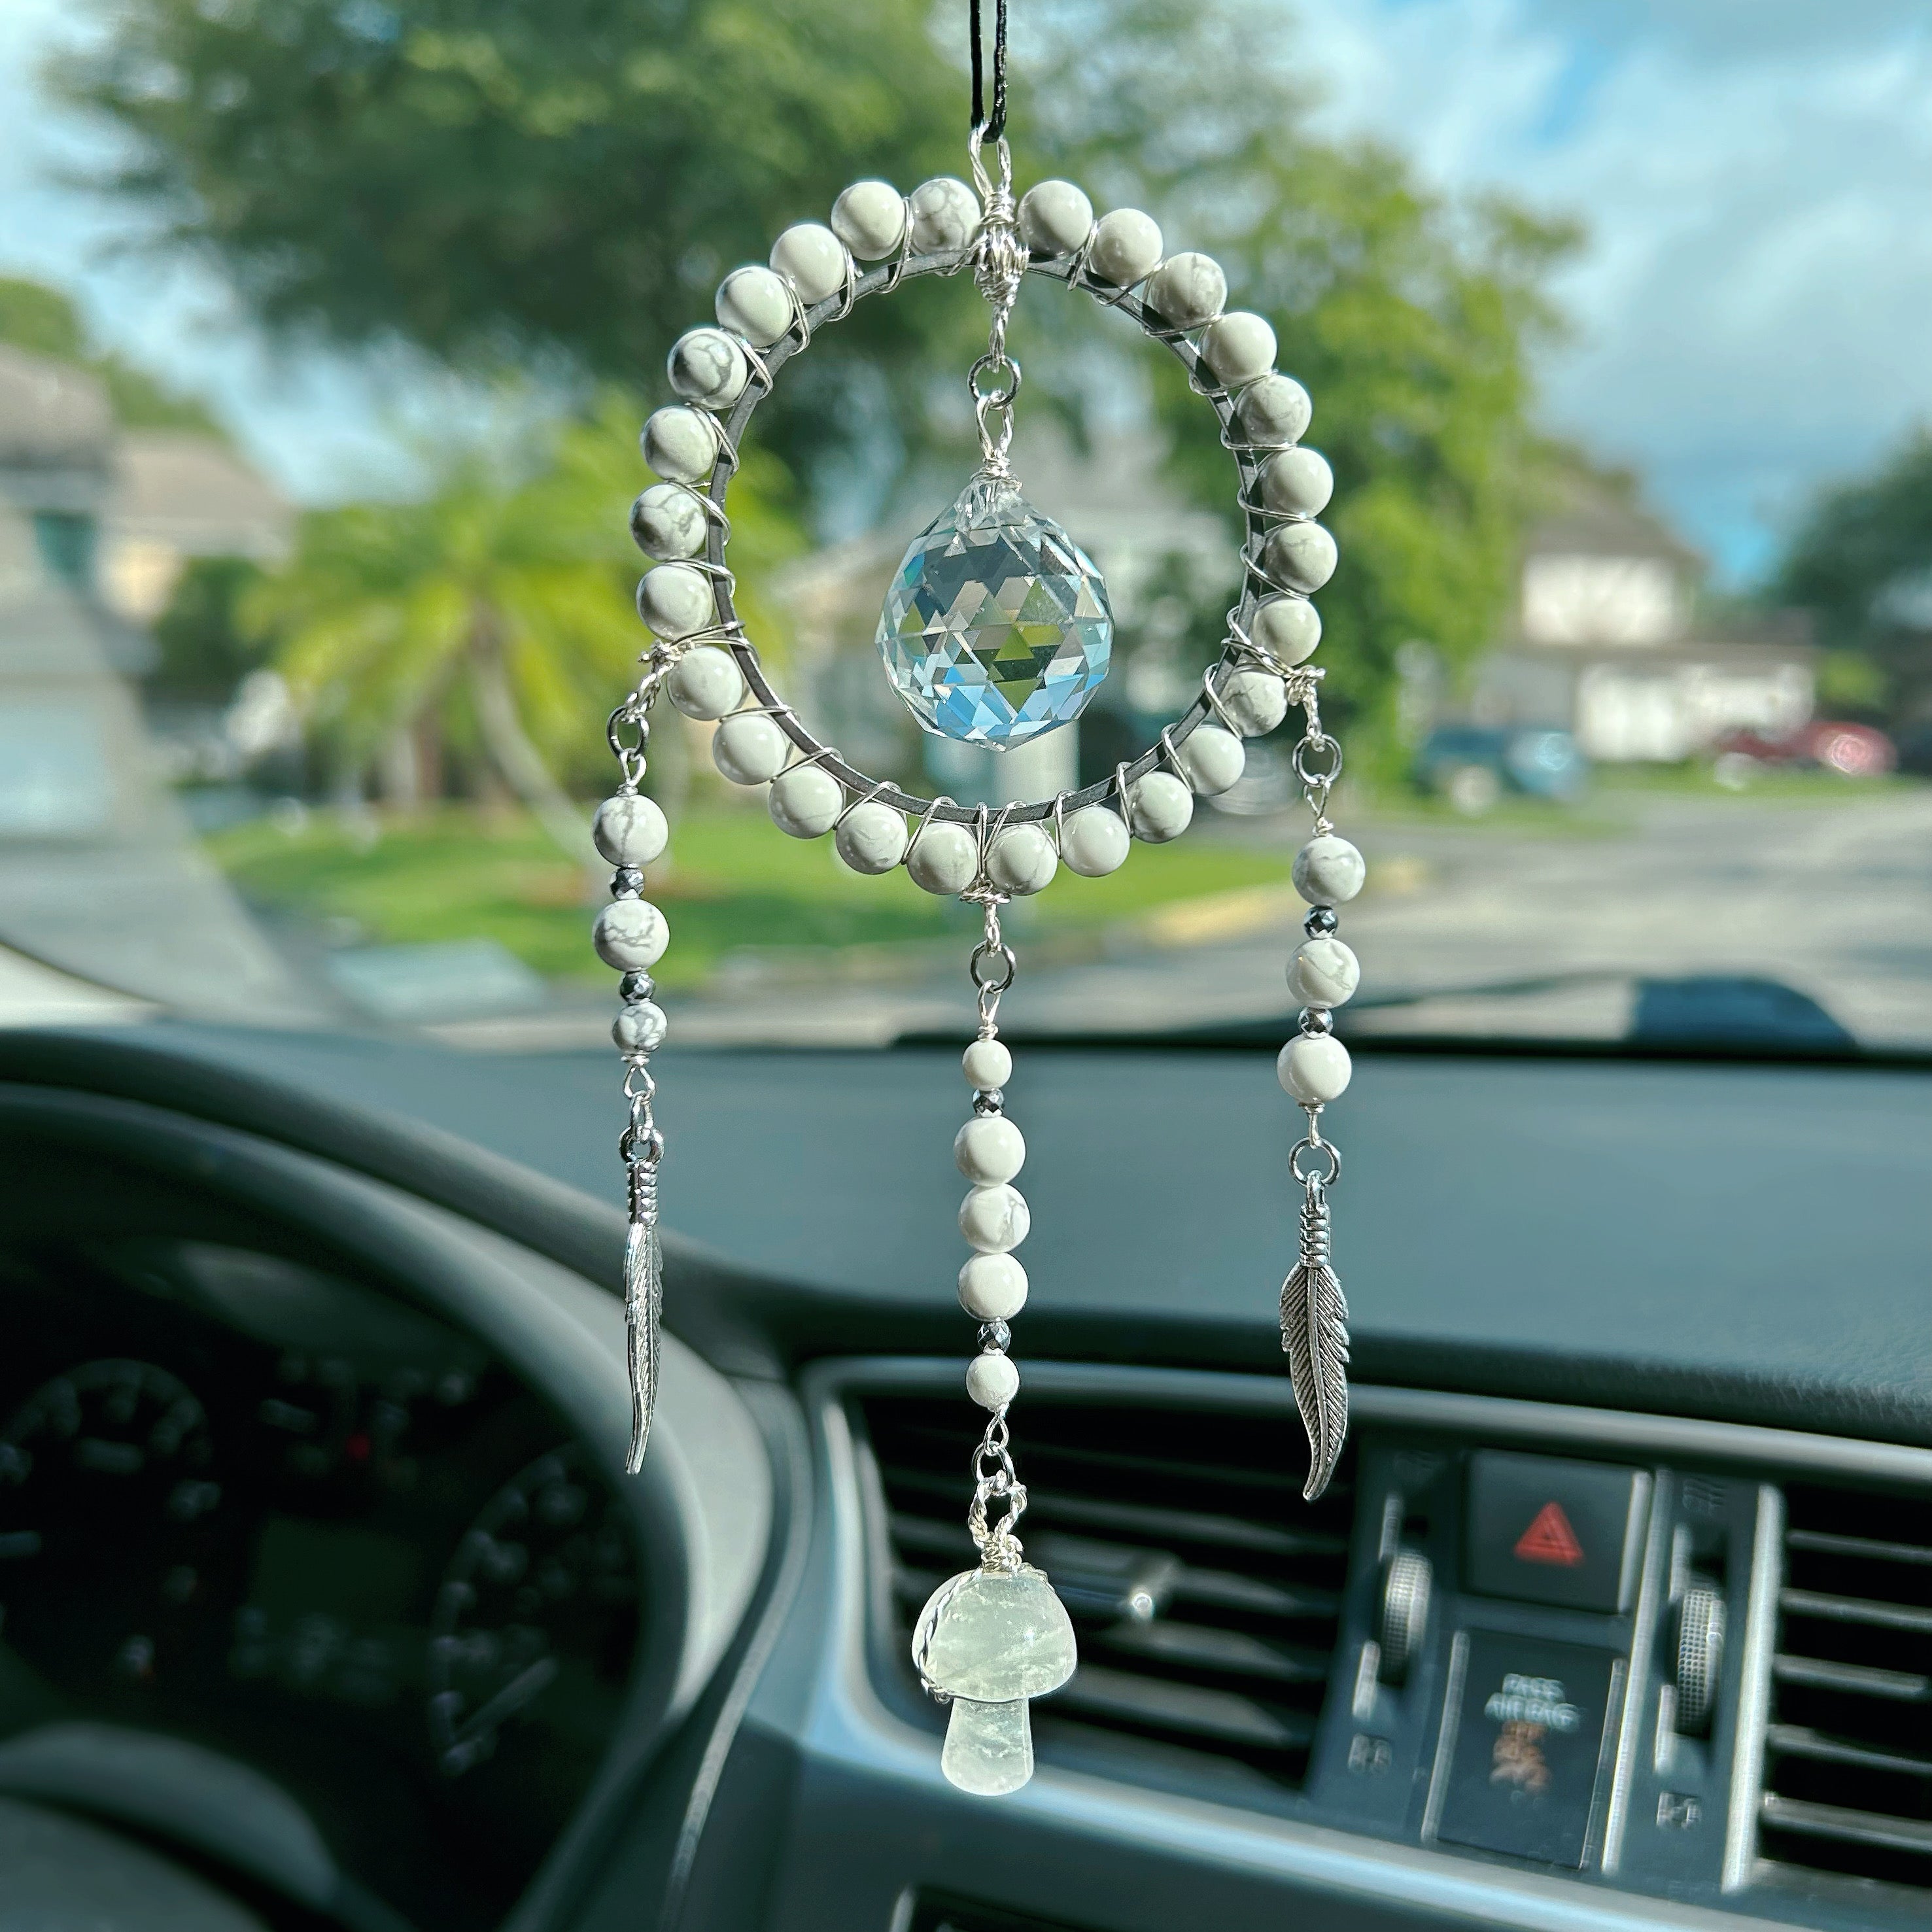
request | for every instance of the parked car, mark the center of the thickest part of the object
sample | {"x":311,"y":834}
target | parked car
{"x":1473,"y":765}
{"x":1830,"y":744}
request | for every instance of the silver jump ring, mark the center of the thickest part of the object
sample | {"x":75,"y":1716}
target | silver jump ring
{"x":990,"y":950}
{"x":1313,"y":1144}
{"x":1321,"y":742}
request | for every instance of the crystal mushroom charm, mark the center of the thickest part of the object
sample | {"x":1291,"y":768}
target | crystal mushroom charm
{"x":989,"y":1639}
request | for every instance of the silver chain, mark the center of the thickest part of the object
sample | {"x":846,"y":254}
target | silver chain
{"x":999,"y":263}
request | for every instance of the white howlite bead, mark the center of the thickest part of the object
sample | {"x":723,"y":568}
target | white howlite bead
{"x":706,"y":683}
{"x":640,"y":1028}
{"x":1126,"y":248}
{"x":1239,"y":349}
{"x":630,"y":830}
{"x":1300,"y":555}
{"x":1298,"y":483}
{"x":707,"y":367}
{"x":1094,"y":842}
{"x":1324,"y":972}
{"x":1159,"y":807}
{"x":944,"y":858}
{"x":631,"y":935}
{"x":680,"y":444}
{"x":988,"y":1066}
{"x":1287,"y":627}
{"x":812,"y":258}
{"x":755,"y":303}
{"x":805,"y":802}
{"x":1314,"y":1068}
{"x":992,"y":1380}
{"x":1212,"y":759}
{"x":1328,"y":871}
{"x":1022,"y":860}
{"x":1256,"y":700}
{"x":989,"y":1150}
{"x":675,"y":600}
{"x":1275,"y":409}
{"x":667,"y":522}
{"x":1187,"y":291}
{"x":945,"y":215}
{"x":870,"y":218}
{"x":1055,"y":217}
{"x":873,"y":837}
{"x":993,"y":1287}
{"x":749,"y":747}
{"x":995,"y":1218}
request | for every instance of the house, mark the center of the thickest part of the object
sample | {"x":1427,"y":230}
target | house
{"x":1607,"y":641}
{"x":176,"y":495}
{"x":99,"y":878}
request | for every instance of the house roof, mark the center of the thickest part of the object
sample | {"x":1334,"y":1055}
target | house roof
{"x":195,"y":494}
{"x":53,"y":416}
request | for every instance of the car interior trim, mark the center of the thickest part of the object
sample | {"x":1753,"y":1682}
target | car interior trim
{"x":702,"y":1509}
{"x":1446,"y":1888}
{"x":1760,"y":1640}
{"x":1651,"y":1589}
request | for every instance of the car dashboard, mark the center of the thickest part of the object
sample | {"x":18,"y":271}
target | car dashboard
{"x":325,"y":1595}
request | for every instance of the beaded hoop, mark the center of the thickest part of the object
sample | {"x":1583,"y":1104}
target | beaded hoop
{"x":1260,"y":583}
{"x":723,"y":372}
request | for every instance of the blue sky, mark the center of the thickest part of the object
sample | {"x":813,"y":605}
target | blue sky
{"x":1751,"y":312}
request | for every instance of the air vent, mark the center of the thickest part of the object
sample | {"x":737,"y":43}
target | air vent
{"x":1206,"y":1592}
{"x":1848,"y":1772}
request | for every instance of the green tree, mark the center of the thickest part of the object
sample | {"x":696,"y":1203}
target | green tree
{"x":502,"y":596}
{"x":568,"y":178}
{"x":204,"y":651}
{"x":499,"y":180}
{"x":44,"y":322}
{"x":1413,"y":320}
{"x":1860,"y":561}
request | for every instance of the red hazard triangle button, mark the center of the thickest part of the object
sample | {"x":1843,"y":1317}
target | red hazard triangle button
{"x":1550,"y":1539}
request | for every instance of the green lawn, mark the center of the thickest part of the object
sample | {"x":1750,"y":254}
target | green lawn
{"x":737,"y":885}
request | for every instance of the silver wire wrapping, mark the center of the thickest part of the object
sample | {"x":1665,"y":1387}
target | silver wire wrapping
{"x":998,"y":260}
{"x":1314,"y":1313}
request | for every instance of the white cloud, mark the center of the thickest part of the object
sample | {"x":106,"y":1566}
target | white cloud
{"x":1751,"y":310}
{"x":1754,"y":174}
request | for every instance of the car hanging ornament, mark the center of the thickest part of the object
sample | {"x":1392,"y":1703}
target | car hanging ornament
{"x":997,"y":629}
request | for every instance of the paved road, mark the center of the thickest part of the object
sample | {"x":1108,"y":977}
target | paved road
{"x":1832,"y":898}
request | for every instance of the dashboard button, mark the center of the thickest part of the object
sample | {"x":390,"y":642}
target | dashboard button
{"x":1543,"y":1530}
{"x":1525,"y":1764}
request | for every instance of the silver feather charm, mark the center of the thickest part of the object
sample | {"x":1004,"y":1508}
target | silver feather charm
{"x":643,"y":1305}
{"x":1314,"y":1334}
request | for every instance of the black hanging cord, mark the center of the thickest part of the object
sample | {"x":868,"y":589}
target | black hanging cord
{"x":993,"y":128}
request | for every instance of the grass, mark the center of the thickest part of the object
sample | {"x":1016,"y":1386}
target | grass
{"x":737,"y":886}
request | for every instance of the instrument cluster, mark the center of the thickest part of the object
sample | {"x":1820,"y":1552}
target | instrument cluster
{"x":294,"y":1519}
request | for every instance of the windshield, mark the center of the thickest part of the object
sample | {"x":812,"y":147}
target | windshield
{"x":327,"y":335}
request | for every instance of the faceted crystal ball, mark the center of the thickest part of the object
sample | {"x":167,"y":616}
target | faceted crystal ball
{"x":996,"y":627}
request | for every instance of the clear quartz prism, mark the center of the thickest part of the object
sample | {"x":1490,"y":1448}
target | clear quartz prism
{"x":996,"y":628}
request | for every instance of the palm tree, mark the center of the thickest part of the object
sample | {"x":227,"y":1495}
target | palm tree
{"x":508,"y":588}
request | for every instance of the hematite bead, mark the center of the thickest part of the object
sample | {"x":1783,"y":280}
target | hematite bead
{"x":626,"y":882}
{"x":636,"y":986}
{"x":1321,"y":920}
